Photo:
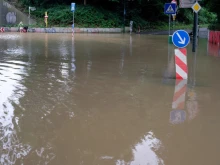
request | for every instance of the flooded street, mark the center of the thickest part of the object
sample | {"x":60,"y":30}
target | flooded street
{"x":104,"y":99}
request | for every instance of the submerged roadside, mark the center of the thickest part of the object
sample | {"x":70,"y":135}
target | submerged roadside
{"x":203,"y":32}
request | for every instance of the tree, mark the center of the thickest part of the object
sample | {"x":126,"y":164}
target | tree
{"x":213,"y":6}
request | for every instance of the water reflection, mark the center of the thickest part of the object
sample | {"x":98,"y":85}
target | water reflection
{"x":46,"y":45}
{"x":213,"y":49}
{"x":145,"y":152}
{"x":122,"y":60}
{"x":11,"y":90}
{"x":131,"y":45}
{"x":68,"y":104}
{"x":184,"y":105}
{"x":73,"y":60}
{"x":192,"y":103}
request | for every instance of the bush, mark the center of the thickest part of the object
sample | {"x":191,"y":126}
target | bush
{"x":84,"y":16}
{"x":206,"y":17}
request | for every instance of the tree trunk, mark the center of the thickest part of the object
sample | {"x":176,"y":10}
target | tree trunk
{"x":84,"y":2}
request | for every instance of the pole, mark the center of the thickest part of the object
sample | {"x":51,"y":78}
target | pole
{"x":169,"y":23}
{"x":124,"y":18}
{"x":195,"y":31}
{"x":194,"y":70}
{"x":29,"y":16}
{"x":73,"y":25}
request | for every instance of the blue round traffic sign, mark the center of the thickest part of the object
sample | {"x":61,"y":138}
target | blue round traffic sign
{"x":180,"y":38}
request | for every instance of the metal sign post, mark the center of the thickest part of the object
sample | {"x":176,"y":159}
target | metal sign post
{"x":29,"y":13}
{"x":45,"y":19}
{"x":73,"y":9}
{"x":170,"y":8}
{"x":196,"y":7}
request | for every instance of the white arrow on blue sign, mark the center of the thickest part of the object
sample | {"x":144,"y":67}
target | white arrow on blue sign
{"x":72,"y":7}
{"x":170,"y":8}
{"x":180,"y":38}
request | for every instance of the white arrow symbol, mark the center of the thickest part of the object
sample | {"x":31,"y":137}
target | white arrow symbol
{"x":182,"y":41}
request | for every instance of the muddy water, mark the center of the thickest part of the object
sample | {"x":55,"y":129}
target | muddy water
{"x":105,"y":99}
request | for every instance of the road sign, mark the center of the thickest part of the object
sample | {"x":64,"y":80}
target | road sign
{"x":170,"y":8}
{"x":186,"y":3}
{"x":180,"y":38}
{"x":72,"y":7}
{"x":32,"y":8}
{"x":177,"y":116}
{"x":196,"y":7}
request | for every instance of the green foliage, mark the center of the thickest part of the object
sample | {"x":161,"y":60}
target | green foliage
{"x":84,"y":16}
{"x":146,"y":14}
{"x":89,"y":16}
{"x":206,"y":17}
{"x":214,"y":6}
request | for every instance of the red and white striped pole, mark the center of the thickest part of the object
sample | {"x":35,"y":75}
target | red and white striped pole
{"x":179,"y":94}
{"x":181,"y":63}
{"x":174,"y":15}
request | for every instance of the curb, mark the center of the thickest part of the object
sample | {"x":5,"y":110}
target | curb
{"x":66,"y":30}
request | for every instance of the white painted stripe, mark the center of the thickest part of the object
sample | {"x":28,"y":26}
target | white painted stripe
{"x":181,"y":72}
{"x":181,"y":99}
{"x":180,"y":85}
{"x":181,"y":56}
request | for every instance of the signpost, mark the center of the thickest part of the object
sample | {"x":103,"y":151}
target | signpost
{"x":170,"y":8}
{"x":187,"y":3}
{"x":45,"y":18}
{"x":29,"y":15}
{"x":180,"y":38}
{"x":73,"y":9}
{"x":196,"y":7}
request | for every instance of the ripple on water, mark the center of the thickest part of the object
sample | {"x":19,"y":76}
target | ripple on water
{"x":11,"y":90}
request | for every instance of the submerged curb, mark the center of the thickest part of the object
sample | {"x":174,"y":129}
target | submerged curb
{"x":66,"y":30}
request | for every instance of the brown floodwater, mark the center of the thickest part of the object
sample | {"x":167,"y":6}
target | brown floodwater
{"x":106,"y":99}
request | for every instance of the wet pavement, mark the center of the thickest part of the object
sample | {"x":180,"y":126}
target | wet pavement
{"x":106,"y":99}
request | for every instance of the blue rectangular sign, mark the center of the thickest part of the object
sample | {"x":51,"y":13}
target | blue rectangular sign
{"x":170,"y":8}
{"x":72,"y":7}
